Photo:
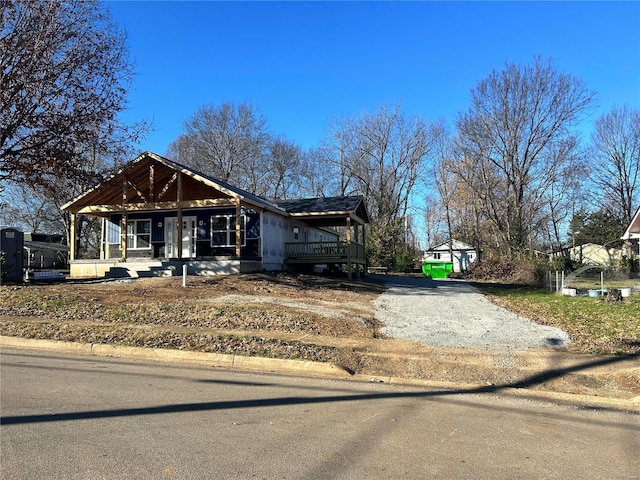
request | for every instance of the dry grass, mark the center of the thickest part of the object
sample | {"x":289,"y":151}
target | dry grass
{"x":595,"y":326}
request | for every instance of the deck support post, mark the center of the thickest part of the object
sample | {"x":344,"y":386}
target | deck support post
{"x":364,"y":244}
{"x":349,"y":264}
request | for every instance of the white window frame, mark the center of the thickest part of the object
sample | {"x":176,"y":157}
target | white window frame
{"x":134,"y":235}
{"x":230,"y":230}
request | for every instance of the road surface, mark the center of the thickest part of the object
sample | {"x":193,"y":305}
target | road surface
{"x":82,"y":417}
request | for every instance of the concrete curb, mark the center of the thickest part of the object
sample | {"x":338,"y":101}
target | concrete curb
{"x":305,"y":368}
{"x":201,"y":359}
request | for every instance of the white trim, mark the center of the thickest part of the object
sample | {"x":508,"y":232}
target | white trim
{"x":229,"y":231}
{"x":135,"y":235}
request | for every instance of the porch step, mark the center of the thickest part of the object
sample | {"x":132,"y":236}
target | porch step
{"x":139,"y":270}
{"x":156,"y":272}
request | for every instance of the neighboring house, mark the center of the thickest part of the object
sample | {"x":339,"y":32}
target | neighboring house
{"x":594,"y":254}
{"x":633,"y":231}
{"x":158,"y":215}
{"x":632,"y":234}
{"x":42,"y":251}
{"x":463,"y":255}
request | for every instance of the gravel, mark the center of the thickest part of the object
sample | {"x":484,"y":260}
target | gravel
{"x":452,"y":313}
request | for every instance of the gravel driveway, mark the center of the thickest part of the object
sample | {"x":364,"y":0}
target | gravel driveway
{"x":452,"y":313}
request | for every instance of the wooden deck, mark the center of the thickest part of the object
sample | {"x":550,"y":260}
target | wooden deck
{"x":325,"y":252}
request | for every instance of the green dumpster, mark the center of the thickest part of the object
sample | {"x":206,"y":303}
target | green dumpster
{"x":436,"y":268}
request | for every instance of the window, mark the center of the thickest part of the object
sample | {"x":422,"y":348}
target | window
{"x":436,"y":256}
{"x":296,"y":233}
{"x":223,"y":230}
{"x":139,"y":234}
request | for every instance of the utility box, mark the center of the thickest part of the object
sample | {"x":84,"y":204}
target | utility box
{"x":12,"y":261}
{"x":436,"y":269}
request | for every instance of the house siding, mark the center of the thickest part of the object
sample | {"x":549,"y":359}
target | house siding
{"x":204,"y":249}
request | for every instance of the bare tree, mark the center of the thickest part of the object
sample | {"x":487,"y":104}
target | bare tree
{"x":616,"y":161}
{"x":443,"y":175}
{"x":381,"y":155}
{"x":564,"y":190}
{"x":510,"y":132}
{"x":316,"y":176}
{"x":63,"y":83}
{"x":386,"y":156}
{"x":227,"y":142}
{"x":22,"y":206}
{"x":433,"y":220}
{"x":283,"y":157}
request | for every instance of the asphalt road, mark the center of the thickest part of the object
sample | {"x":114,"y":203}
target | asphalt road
{"x":81,"y":417}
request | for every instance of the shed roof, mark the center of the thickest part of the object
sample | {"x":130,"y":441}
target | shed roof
{"x":322,"y":211}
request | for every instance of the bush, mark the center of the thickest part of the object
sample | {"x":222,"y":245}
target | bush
{"x":521,"y":271}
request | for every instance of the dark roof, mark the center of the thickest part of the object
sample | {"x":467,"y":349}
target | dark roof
{"x":338,"y":206}
{"x":238,"y":191}
{"x":320,"y":205}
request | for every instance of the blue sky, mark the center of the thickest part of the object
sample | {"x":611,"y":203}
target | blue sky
{"x":303,"y":63}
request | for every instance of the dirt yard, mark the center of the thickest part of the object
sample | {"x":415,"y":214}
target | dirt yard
{"x":287,"y":316}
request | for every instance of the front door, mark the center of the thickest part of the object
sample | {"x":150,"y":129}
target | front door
{"x":188,"y":231}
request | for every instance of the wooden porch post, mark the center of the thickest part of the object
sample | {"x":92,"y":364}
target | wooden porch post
{"x":73,"y":240}
{"x":123,"y":235}
{"x":349,"y":248}
{"x":238,"y":229}
{"x":103,"y":238}
{"x":125,"y":221}
{"x":179,"y":220}
{"x":357,"y":238}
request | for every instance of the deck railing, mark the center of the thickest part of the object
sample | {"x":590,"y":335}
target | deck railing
{"x":325,"y":250}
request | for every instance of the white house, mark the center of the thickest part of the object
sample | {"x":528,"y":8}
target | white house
{"x":633,"y":231}
{"x":463,"y":255}
{"x":632,"y":234}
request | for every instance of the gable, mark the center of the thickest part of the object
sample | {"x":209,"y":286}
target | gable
{"x":633,"y":231}
{"x":456,"y":246}
{"x":154,"y":182}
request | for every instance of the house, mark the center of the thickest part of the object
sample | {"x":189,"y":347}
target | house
{"x":158,"y":216}
{"x":594,"y":254}
{"x":463,"y":255}
{"x":43,"y":251}
{"x":632,"y":236}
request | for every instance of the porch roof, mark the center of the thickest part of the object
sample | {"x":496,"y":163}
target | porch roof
{"x":327,"y":211}
{"x":149,"y":182}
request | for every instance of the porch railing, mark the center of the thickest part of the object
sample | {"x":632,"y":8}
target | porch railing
{"x":339,"y":250}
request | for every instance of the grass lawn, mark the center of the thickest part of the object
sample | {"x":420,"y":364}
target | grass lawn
{"x":595,"y":325}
